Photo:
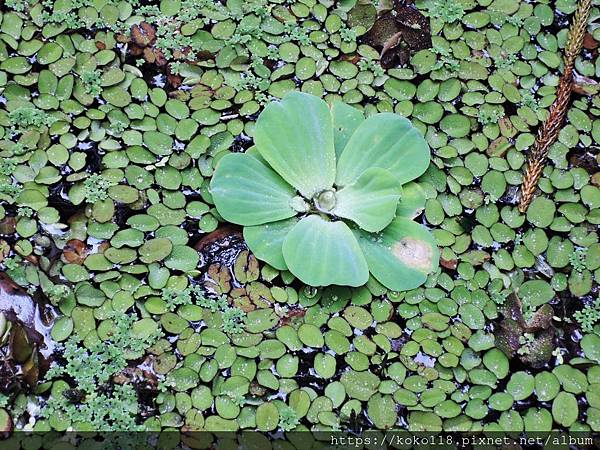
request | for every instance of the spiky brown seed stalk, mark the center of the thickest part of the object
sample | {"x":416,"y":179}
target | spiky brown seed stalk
{"x":548,"y":133}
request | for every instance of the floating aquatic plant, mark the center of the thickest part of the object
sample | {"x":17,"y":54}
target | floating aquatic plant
{"x":319,"y":193}
{"x":151,"y":96}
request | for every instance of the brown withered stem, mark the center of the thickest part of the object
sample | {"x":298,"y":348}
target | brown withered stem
{"x":548,"y":133}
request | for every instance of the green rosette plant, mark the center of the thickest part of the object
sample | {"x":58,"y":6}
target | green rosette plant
{"x":326,"y":194}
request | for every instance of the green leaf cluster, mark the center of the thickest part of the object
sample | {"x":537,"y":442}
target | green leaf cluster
{"x":96,"y":188}
{"x":25,"y":117}
{"x":114,"y":411}
{"x":93,"y":401}
{"x":588,"y":316}
{"x":326,"y":194}
{"x":233,"y":318}
{"x":577,"y":259}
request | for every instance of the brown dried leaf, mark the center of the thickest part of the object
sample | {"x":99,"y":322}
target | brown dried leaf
{"x":181,"y":54}
{"x":498,"y":148}
{"x":134,"y":50}
{"x":589,"y":42}
{"x":588,"y":161}
{"x":4,"y":249}
{"x":123,"y":38}
{"x":75,"y":251}
{"x":8,"y":226}
{"x":399,"y":33}
{"x":540,"y":350}
{"x":143,"y":34}
{"x":541,"y":319}
{"x":450,"y":264}
{"x":507,"y":337}
{"x":392,"y":42}
{"x":174,"y":80}
{"x":415,"y":26}
{"x":159,"y":57}
{"x":292,"y":315}
{"x":149,"y":55}
{"x":260,"y":295}
{"x":513,"y":326}
{"x":19,"y":307}
{"x":246,"y":267}
{"x":138,"y":376}
{"x":384,"y":28}
{"x":241,"y":300}
{"x":219,"y":279}
{"x":31,"y":369}
{"x":506,"y":127}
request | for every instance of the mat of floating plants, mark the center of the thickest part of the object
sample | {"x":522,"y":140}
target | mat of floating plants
{"x":298,"y":215}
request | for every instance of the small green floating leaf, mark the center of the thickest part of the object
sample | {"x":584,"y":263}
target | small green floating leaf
{"x":311,"y":336}
{"x":155,"y":250}
{"x":182,"y":258}
{"x":382,"y":411}
{"x":520,"y":385}
{"x":590,"y":344}
{"x":565,"y":409}
{"x":267,"y":417}
{"x":546,"y":386}
{"x":541,"y":212}
{"x":535,"y":293}
{"x":62,"y":329}
{"x":572,"y":380}
{"x":360,"y":385}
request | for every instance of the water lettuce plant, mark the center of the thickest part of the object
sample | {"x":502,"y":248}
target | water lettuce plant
{"x":320,"y":194}
{"x":114,"y":116}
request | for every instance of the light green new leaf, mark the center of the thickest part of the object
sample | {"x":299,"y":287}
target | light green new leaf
{"x":346,"y":120}
{"x":295,"y":136}
{"x":370,"y":201}
{"x":565,"y":409}
{"x":320,"y":253}
{"x":248,"y":192}
{"x":388,"y":141}
{"x":412,"y":201}
{"x":401,"y":256}
{"x":266,"y":241}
